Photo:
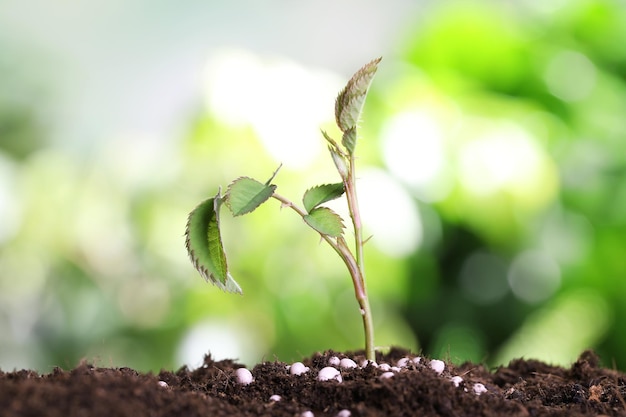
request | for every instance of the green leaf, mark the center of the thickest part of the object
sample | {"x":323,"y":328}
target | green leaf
{"x":350,"y":100}
{"x":349,"y":139}
{"x":204,"y":245}
{"x":246,"y":194}
{"x":325,"y":221}
{"x":331,"y":141}
{"x":320,"y":194}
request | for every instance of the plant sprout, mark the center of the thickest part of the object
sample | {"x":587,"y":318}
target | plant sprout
{"x":244,"y":195}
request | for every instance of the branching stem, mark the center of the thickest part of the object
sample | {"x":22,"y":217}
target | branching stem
{"x":355,"y":266}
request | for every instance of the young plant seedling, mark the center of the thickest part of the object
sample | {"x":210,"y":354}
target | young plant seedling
{"x":244,"y":195}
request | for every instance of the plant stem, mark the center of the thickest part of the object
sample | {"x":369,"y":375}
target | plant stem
{"x":353,"y":207}
{"x":354,"y":267}
{"x":341,"y":250}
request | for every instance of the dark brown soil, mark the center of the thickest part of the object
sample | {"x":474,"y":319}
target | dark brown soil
{"x":524,"y":388}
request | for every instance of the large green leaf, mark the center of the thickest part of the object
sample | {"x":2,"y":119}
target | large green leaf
{"x":320,"y":194}
{"x":325,"y":221}
{"x":350,"y":100}
{"x":246,"y":194}
{"x":204,"y":245}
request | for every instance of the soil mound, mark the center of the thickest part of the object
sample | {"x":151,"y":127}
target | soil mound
{"x":398,"y":384}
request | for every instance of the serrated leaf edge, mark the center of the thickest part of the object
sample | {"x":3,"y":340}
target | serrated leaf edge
{"x":229,"y":285}
{"x":353,"y":91}
{"x":226,"y":197}
{"x":337,"y":216}
{"x":324,"y":200}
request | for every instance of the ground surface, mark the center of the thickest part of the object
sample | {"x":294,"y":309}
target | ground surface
{"x":524,"y":388}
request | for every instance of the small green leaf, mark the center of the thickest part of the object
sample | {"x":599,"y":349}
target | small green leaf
{"x":204,"y":245}
{"x":320,"y":194}
{"x":349,"y":139}
{"x":350,"y":100}
{"x":246,"y":194}
{"x":325,"y":221}
{"x":331,"y":141}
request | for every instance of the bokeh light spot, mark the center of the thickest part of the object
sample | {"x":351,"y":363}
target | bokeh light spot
{"x":570,"y":76}
{"x":534,"y":276}
{"x":389,"y":214}
{"x":283,"y":102}
{"x":223,"y":340}
{"x":567,"y":236}
{"x":413,"y":149}
{"x":504,"y":156}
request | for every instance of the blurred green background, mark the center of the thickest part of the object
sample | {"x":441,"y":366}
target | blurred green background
{"x":493,"y":179}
